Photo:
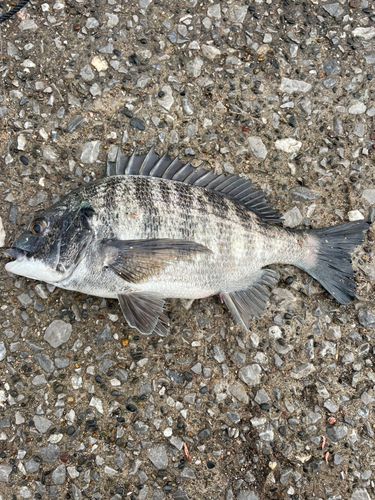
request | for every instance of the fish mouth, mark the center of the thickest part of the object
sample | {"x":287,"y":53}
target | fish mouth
{"x":16,"y":254}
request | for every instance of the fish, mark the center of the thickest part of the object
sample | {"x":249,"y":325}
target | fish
{"x":153,"y":228}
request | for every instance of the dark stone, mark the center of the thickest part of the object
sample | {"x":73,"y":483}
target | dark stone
{"x":175,"y":376}
{"x":13,"y":211}
{"x":282,"y":430}
{"x":137,"y":123}
{"x":204,"y":434}
{"x":316,"y":465}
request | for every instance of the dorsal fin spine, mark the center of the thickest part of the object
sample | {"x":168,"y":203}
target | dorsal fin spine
{"x":233,"y":187}
{"x":130,"y":162}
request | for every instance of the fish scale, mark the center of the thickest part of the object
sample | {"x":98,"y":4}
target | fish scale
{"x":154,"y":229}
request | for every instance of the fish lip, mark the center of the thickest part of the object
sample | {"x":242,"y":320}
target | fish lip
{"x":15,"y":253}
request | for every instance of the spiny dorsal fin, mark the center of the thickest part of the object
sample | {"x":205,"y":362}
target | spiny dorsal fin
{"x":236,"y":188}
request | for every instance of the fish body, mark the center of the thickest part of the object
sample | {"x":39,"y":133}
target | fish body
{"x":239,"y":243}
{"x":154,"y":229}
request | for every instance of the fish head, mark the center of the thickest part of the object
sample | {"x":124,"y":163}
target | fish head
{"x":54,"y":242}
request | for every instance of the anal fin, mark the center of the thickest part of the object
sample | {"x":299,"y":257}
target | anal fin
{"x":144,"y":311}
{"x":251,"y":301}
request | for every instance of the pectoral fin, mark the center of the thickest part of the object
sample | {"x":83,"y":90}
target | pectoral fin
{"x":135,"y":260}
{"x":251,"y":302}
{"x":144,"y":311}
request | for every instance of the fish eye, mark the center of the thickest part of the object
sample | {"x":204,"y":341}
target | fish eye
{"x":38,"y":226}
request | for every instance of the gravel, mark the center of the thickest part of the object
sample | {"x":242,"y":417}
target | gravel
{"x":279,"y":92}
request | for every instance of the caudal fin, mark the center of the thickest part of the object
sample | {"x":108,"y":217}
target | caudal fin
{"x":332,"y":267}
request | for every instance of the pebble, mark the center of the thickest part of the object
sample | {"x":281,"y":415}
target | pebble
{"x":302,"y":371}
{"x":158,"y":456}
{"x":2,"y":234}
{"x":44,"y":362}
{"x":238,"y":391}
{"x":40,"y":197}
{"x":3,"y":111}
{"x":58,"y":333}
{"x":366,"y":318}
{"x":87,"y":75}
{"x":59,"y":475}
{"x":172,"y":37}
{"x":292,"y":218}
{"x":261,"y":397}
{"x":13,"y":212}
{"x":31,"y":466}
{"x":337,"y":126}
{"x":166,"y":101}
{"x":194,"y":67}
{"x":179,"y":494}
{"x":369,"y":196}
{"x":257,"y":147}
{"x":355,"y":215}
{"x":5,"y":471}
{"x":247,"y":495}
{"x":74,"y":123}
{"x":210,"y":52}
{"x":233,"y":417}
{"x":49,"y":453}
{"x":113,"y":20}
{"x":288,"y":145}
{"x":42,"y":424}
{"x":360,"y":494}
{"x":137,"y":123}
{"x":3,"y":351}
{"x":99,"y":63}
{"x":237,"y":13}
{"x":304,"y":194}
{"x":92,"y":23}
{"x":366,"y":33}
{"x":187,"y":107}
{"x":24,"y":299}
{"x":219,"y":354}
{"x":289,"y":86}
{"x":337,"y":433}
{"x":250,"y":374}
{"x":97,"y":403}
{"x":90,"y":151}
{"x":334,"y":9}
{"x":188,"y":473}
{"x":214,"y":11}
{"x":357,"y":109}
{"x":95,"y":90}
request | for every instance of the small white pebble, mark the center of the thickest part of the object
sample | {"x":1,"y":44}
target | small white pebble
{"x":355,"y":215}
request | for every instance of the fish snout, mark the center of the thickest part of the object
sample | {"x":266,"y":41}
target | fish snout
{"x":15,"y":253}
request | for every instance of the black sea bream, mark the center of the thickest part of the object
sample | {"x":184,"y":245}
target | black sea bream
{"x":154,"y":229}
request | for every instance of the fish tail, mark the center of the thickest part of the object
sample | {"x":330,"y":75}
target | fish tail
{"x":328,"y":258}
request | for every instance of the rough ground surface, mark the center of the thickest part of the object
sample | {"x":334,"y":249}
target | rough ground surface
{"x":282,"y":92}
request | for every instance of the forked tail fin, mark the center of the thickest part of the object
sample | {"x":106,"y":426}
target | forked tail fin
{"x":332,"y":266}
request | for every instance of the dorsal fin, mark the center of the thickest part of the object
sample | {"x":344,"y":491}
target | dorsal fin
{"x":236,"y":188}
